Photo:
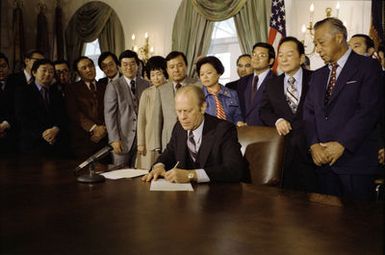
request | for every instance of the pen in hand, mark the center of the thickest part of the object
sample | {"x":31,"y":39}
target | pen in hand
{"x":176,"y":165}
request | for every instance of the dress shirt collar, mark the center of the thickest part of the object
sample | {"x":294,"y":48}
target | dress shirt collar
{"x":183,"y":83}
{"x":261,"y":77}
{"x":297,"y":76}
{"x":222,"y":91}
{"x":88,"y":84}
{"x":114,"y":78}
{"x":28,"y":76}
{"x":298,"y":82}
{"x":342,"y":61}
{"x":128,"y":80}
{"x":39,"y":86}
{"x":198,"y":134}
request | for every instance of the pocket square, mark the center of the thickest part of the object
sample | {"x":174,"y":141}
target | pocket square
{"x":351,"y":82}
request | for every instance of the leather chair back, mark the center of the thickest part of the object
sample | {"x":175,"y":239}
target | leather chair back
{"x":263,"y":149}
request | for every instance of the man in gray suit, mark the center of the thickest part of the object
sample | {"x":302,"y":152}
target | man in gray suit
{"x":164,"y":103}
{"x":121,"y":102}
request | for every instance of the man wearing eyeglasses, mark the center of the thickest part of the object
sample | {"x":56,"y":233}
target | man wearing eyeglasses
{"x":250,"y":88}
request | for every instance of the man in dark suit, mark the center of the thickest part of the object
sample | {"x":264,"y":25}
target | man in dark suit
{"x":281,"y":107}
{"x":202,"y":148}
{"x":7,"y":118}
{"x":341,"y":113}
{"x":85,"y":109}
{"x":62,"y":75}
{"x":250,"y":88}
{"x":108,"y":62}
{"x":40,"y":113}
{"x":24,"y":77}
{"x":244,"y":68}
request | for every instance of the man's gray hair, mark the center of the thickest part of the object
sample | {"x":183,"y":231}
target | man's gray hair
{"x":335,"y":23}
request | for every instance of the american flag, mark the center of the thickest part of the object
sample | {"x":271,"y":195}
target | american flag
{"x":277,"y":28}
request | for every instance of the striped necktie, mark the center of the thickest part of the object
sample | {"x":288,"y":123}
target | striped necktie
{"x":291,"y":94}
{"x":332,"y":83}
{"x":219,"y":107}
{"x":191,"y":145}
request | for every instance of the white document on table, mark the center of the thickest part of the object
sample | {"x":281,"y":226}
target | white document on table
{"x":124,"y":173}
{"x":163,"y":185}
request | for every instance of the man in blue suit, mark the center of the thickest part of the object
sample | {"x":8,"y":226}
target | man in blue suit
{"x":250,"y":88}
{"x":340,"y":114}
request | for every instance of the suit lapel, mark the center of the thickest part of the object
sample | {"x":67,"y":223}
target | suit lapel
{"x":305,"y":87}
{"x":347,"y":71}
{"x":208,"y":136}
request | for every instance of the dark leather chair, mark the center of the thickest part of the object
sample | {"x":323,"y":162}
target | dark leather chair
{"x":263,"y":149}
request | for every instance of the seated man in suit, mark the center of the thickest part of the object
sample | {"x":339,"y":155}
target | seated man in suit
{"x":85,"y":108}
{"x":109,"y":64}
{"x":121,"y":109}
{"x":244,"y":68}
{"x":24,"y":77}
{"x":40,"y":113}
{"x":164,"y":103}
{"x":202,"y":148}
{"x":250,"y":88}
{"x":7,"y":118}
{"x":281,"y":107}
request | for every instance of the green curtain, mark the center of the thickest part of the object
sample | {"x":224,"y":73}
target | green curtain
{"x":194,"y":23}
{"x":251,"y":24}
{"x":94,"y":20}
{"x":191,"y":34}
{"x":218,"y":10}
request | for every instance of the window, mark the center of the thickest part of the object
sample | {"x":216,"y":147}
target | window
{"x":92,"y":50}
{"x":225,"y":46}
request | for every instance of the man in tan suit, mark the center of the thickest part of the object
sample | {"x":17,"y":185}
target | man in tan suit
{"x":164,"y":103}
{"x":84,"y":100}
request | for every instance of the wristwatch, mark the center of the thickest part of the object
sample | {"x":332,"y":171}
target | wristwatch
{"x":190,"y":176}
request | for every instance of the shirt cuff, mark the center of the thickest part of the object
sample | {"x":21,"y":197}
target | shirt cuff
{"x":92,"y":128}
{"x":6,"y":124}
{"x":278,"y":120}
{"x":158,"y":164}
{"x":202,"y":175}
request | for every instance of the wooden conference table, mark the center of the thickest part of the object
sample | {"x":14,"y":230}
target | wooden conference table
{"x":45,"y":211}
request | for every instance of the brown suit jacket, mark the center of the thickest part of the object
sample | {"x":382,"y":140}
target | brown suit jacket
{"x":85,"y":109}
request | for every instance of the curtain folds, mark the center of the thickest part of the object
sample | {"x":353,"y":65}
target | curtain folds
{"x":42,"y":42}
{"x":218,"y":10}
{"x":194,"y":23}
{"x":94,"y":20}
{"x":191,"y":34}
{"x":251,"y":24}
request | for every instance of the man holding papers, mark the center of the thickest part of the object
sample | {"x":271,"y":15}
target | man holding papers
{"x":202,"y":148}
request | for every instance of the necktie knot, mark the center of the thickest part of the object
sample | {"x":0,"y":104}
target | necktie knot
{"x":133,"y":88}
{"x":291,"y":81}
{"x":178,"y":86}
{"x":92,"y":87}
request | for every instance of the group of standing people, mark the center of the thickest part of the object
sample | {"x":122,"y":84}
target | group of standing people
{"x":332,"y":118}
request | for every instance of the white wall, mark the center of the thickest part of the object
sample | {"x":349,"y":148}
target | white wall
{"x":139,"y":16}
{"x":354,"y":14}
